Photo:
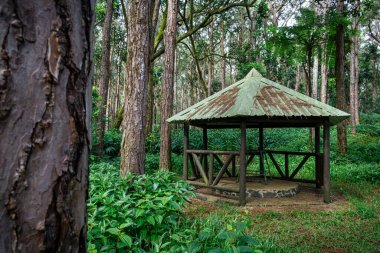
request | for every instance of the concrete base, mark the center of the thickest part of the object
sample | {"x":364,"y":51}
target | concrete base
{"x":258,"y":189}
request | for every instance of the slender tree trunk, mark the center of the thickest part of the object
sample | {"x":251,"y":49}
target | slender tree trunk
{"x":315,"y":75}
{"x":298,"y":78}
{"x":242,"y":30}
{"x":352,"y":84}
{"x":323,"y":76}
{"x":138,"y":61}
{"x":374,"y":84}
{"x":211,"y":59}
{"x":168,"y":84}
{"x":252,"y":41}
{"x":155,"y":11}
{"x":357,"y":48}
{"x":45,"y":130}
{"x":223,"y":60}
{"x":339,"y":76}
{"x":104,"y":78}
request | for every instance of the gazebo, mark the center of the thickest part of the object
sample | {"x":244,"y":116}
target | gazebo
{"x":256,"y":102}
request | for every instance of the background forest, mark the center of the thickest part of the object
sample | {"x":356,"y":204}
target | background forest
{"x":328,"y":50}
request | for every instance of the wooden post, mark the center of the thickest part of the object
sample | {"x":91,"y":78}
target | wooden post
{"x":234,"y":166}
{"x":317,"y":149}
{"x":326,"y":162}
{"x":185,"y":148}
{"x":261,"y":147}
{"x":211,"y":170}
{"x":204,"y":160}
{"x":242,"y":178}
{"x":287,"y":165}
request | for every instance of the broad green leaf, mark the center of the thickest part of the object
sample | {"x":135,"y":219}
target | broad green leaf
{"x":126,"y":239}
{"x":113,"y":231}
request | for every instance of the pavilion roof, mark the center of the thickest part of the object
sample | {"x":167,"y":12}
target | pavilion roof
{"x":257,"y":97}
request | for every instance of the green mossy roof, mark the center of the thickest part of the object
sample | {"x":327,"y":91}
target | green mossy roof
{"x":256,"y":96}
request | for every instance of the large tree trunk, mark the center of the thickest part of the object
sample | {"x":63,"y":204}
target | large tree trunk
{"x":223,"y":60}
{"x":339,"y":76}
{"x":138,"y":62}
{"x":168,"y":84}
{"x":45,"y":113}
{"x":104,"y":78}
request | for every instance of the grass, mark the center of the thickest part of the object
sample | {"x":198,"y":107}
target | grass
{"x":354,"y":229}
{"x":206,"y":227}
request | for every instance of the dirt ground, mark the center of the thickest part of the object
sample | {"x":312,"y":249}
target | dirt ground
{"x":307,"y":199}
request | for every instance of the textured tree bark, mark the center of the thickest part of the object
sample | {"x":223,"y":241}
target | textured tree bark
{"x":339,"y":76}
{"x":223,"y":60}
{"x":45,"y":114}
{"x":167,"y":91}
{"x":155,"y":11}
{"x":104,"y":78}
{"x":137,"y":71}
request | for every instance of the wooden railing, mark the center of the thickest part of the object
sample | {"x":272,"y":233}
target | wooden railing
{"x":202,"y":165}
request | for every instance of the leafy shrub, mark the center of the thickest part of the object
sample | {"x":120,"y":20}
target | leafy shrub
{"x":370,"y":118}
{"x":112,"y":143}
{"x":132,"y":213}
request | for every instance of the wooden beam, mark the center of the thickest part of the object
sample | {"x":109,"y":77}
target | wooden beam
{"x":204,"y":160}
{"x":250,"y":159}
{"x":326,"y":162}
{"x":280,"y":152}
{"x":305,"y":158}
{"x":242,"y":174}
{"x":287,"y":165}
{"x":234,"y":166}
{"x":211,"y":169}
{"x":276,"y":165}
{"x":200,"y":169}
{"x":222,"y":170}
{"x":194,"y":170}
{"x":185,"y":147}
{"x":221,"y":188}
{"x":317,"y":149}
{"x":217,"y":152}
{"x":221,"y":164}
{"x":261,"y":148}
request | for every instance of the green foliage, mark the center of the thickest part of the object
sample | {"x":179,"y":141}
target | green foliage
{"x":144,"y":214}
{"x":133,"y":213}
{"x":216,"y":233}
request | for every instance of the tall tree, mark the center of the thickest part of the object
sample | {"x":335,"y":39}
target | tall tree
{"x":45,"y":109}
{"x":354,"y":68}
{"x":339,"y":76}
{"x":222,"y":53}
{"x":168,"y":84}
{"x":137,"y":71}
{"x":104,"y":77}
